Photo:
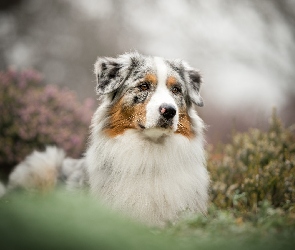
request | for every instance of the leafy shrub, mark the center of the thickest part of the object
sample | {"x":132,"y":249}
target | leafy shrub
{"x":33,"y":114}
{"x":256,"y":166}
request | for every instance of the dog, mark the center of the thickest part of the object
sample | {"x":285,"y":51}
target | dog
{"x":146,"y":155}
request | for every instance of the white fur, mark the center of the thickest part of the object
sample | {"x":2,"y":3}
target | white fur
{"x":74,"y":173}
{"x":38,"y":170}
{"x":162,"y":95}
{"x":153,"y":182}
{"x":42,"y":170}
{"x":162,"y":70}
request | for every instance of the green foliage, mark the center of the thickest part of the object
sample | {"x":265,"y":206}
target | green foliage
{"x":256,"y":166}
{"x":33,"y":115}
{"x":63,"y":220}
{"x":268,"y":226}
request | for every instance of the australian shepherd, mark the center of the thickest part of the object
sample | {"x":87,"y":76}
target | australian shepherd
{"x":145,"y":156}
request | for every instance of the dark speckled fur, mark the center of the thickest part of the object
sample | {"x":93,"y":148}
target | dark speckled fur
{"x":114,"y":74}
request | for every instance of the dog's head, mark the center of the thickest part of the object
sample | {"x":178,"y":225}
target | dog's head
{"x":149,"y":94}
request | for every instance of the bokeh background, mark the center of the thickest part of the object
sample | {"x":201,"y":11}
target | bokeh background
{"x":245,"y":49}
{"x":246,"y":52}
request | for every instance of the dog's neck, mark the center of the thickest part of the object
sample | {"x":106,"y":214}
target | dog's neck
{"x":164,"y":175}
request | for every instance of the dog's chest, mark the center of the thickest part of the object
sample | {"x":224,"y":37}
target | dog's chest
{"x":153,"y":182}
{"x":150,"y":195}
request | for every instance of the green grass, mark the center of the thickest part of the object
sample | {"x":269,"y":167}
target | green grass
{"x":63,"y":220}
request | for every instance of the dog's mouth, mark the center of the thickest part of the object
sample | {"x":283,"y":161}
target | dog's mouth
{"x":141,"y":126}
{"x":158,"y":132}
{"x":162,"y":124}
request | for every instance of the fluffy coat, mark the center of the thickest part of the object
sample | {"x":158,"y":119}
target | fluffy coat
{"x":146,"y":155}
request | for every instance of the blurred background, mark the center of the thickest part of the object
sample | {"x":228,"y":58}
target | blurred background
{"x":245,"y":49}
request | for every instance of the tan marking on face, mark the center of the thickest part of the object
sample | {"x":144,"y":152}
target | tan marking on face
{"x":123,"y":117}
{"x":151,"y":78}
{"x":184,"y":125}
{"x":171,"y":81}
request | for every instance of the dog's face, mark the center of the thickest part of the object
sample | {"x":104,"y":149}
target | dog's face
{"x":148,"y":94}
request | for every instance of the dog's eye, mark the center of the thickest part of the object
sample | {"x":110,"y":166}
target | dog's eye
{"x":176,"y":90}
{"x":144,"y":86}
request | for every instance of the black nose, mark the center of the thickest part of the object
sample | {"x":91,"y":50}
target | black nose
{"x":167,"y":111}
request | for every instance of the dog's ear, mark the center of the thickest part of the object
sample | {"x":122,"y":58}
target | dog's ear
{"x":194,"y":85}
{"x":107,"y":71}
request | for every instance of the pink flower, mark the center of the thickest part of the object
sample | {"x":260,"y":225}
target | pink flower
{"x":33,"y":115}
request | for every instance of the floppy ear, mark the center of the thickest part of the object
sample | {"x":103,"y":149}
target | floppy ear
{"x":107,"y":71}
{"x":194,"y":85}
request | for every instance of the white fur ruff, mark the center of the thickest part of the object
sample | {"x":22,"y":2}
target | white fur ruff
{"x":153,"y":182}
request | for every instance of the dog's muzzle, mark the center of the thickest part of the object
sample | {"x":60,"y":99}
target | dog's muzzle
{"x":167,"y":113}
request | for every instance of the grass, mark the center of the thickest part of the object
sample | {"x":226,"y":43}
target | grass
{"x":63,"y":220}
